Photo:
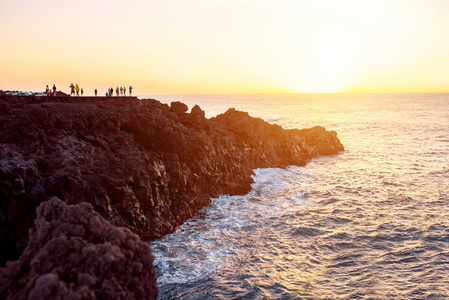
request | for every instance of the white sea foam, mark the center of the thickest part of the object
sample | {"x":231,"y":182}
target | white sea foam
{"x":203,"y":244}
{"x":372,"y":222}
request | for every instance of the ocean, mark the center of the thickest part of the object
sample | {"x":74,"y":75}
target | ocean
{"x":369,"y":223}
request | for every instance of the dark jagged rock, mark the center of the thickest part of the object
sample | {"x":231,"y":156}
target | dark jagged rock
{"x":179,"y":108}
{"x":141,"y":164}
{"x":197,"y":112}
{"x":74,"y":253}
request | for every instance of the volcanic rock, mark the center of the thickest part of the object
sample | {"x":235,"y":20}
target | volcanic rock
{"x":74,"y":253}
{"x":141,"y":164}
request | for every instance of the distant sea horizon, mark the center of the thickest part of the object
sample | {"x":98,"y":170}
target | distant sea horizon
{"x":370,"y":222}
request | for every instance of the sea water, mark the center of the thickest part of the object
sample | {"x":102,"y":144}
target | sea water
{"x":370,"y":222}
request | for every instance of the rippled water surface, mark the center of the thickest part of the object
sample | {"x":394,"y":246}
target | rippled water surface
{"x":370,"y":222}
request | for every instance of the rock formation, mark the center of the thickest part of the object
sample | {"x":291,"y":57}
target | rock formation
{"x":74,"y":253}
{"x":142,"y":164}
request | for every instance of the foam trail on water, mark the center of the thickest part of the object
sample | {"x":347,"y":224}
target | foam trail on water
{"x":205,"y":244}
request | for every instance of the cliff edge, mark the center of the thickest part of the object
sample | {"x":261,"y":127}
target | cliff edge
{"x":141,"y":164}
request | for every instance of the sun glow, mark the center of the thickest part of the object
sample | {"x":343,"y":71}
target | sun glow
{"x":328,"y":69}
{"x":245,"y":46}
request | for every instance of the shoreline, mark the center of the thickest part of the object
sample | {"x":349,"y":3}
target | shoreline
{"x":142,"y":165}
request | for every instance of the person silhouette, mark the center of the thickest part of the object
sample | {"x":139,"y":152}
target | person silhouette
{"x":130,"y":90}
{"x":72,"y":89}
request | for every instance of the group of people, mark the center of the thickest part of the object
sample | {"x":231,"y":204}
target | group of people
{"x":75,"y":88}
{"x":118,"y":91}
{"x":50,"y":92}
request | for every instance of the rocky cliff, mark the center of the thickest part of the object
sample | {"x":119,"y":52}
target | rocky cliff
{"x":141,"y":164}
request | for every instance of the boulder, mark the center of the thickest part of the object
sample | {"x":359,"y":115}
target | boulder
{"x":179,"y":108}
{"x":198,"y":112}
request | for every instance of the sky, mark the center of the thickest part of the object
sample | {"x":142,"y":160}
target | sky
{"x":226,"y":46}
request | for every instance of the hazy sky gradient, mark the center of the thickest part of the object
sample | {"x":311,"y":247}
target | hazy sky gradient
{"x":237,"y":46}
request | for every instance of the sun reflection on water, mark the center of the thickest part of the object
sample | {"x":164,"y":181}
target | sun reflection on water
{"x":371,"y":222}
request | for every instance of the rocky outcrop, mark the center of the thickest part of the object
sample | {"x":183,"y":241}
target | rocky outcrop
{"x":141,"y":164}
{"x":74,"y":253}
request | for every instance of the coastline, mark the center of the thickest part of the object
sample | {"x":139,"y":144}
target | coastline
{"x":142,"y":164}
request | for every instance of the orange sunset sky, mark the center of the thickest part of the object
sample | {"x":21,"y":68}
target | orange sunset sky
{"x":232,"y":46}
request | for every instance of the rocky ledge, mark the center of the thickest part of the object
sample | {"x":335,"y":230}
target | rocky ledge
{"x":141,"y":164}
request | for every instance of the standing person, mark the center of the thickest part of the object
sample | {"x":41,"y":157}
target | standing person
{"x":46,"y":90}
{"x":121,"y":91}
{"x":72,"y":89}
{"x":130,"y":90}
{"x":77,"y":88}
{"x":54,"y":90}
{"x":124,"y":91}
{"x":116,"y":91}
{"x":95,"y":92}
{"x":82,"y":92}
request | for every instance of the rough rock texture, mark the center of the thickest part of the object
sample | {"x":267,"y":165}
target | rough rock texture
{"x":74,"y":253}
{"x":142,"y":164}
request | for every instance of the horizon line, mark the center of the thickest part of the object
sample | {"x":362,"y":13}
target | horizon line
{"x":293,"y":93}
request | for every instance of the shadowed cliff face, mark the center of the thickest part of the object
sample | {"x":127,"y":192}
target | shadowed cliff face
{"x":141,"y":164}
